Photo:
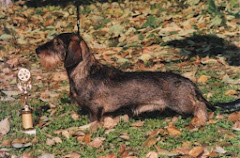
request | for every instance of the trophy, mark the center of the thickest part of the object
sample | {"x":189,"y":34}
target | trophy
{"x":24,"y":85}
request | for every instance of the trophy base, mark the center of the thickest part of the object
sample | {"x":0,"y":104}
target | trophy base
{"x":30,"y":131}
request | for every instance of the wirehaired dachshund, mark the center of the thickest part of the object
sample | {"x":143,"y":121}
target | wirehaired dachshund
{"x":102,"y":89}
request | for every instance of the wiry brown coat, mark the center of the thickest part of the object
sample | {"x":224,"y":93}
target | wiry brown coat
{"x":103,"y":89}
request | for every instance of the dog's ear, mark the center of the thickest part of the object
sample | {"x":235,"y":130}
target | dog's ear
{"x":59,"y":46}
{"x":74,"y":54}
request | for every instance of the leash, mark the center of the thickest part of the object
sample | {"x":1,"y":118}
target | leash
{"x":78,"y":20}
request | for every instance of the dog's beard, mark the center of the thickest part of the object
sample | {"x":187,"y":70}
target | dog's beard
{"x":49,"y":61}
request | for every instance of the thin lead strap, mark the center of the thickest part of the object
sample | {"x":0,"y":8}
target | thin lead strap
{"x":78,"y":20}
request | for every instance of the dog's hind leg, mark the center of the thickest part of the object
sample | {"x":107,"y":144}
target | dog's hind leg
{"x":200,"y":114}
{"x":190,"y":105}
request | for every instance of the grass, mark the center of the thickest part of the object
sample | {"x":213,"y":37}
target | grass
{"x":210,"y":135}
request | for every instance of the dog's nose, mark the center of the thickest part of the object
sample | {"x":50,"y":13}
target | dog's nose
{"x":38,"y":50}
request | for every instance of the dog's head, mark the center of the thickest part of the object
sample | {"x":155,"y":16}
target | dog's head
{"x":66,"y":47}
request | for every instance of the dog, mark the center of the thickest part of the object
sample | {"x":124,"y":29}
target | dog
{"x":101,"y":89}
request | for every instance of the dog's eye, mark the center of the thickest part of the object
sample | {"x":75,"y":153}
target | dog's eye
{"x":57,"y":42}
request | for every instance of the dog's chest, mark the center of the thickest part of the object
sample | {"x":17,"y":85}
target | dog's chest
{"x":82,"y":91}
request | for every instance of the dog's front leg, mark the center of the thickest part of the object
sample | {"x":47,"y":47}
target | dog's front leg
{"x":92,"y":117}
{"x":73,"y":94}
{"x":96,"y":113}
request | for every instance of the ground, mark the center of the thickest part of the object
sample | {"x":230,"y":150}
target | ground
{"x":197,"y":39}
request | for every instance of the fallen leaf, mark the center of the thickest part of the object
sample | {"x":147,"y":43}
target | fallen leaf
{"x":5,"y":37}
{"x":173,"y":131}
{"x":50,"y":142}
{"x":145,"y":57}
{"x":172,"y":27}
{"x":116,"y":30}
{"x":212,"y":122}
{"x":34,"y":140}
{"x":109,"y":122}
{"x":124,"y":118}
{"x":48,"y":22}
{"x":164,"y":152}
{"x":6,"y":70}
{"x":21,"y":140}
{"x":213,"y":154}
{"x":38,"y":77}
{"x":137,"y":124}
{"x":109,"y":156}
{"x":219,"y":117}
{"x":196,"y":151}
{"x":230,"y":136}
{"x":190,"y":75}
{"x":123,"y":152}
{"x":88,"y":126}
{"x":209,"y":95}
{"x":59,"y":76}
{"x":202,"y":79}
{"x":220,"y":150}
{"x":87,"y":138}
{"x":187,"y":25}
{"x":57,"y":139}
{"x":47,"y":95}
{"x":109,"y":131}
{"x":124,"y":136}
{"x":4,"y":126}
{"x":201,"y":25}
{"x":155,"y":133}
{"x":152,"y":154}
{"x":231,"y":92}
{"x":47,"y":155}
{"x":80,"y":138}
{"x":6,"y":143}
{"x":72,"y":155}
{"x":27,"y":155}
{"x":13,"y":62}
{"x":187,"y":144}
{"x":233,"y":117}
{"x":236,"y":126}
{"x":150,"y":142}
{"x":97,"y":142}
{"x":75,"y":116}
{"x":227,"y":79}
{"x":21,"y":145}
{"x":205,"y":153}
{"x":66,"y":134}
{"x":107,"y":54}
{"x":122,"y":61}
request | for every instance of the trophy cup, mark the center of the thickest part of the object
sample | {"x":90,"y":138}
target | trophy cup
{"x":24,"y":85}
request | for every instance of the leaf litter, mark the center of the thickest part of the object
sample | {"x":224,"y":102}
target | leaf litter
{"x":131,"y":36}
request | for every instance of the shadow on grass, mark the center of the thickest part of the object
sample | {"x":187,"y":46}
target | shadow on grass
{"x":63,"y":3}
{"x":146,"y":115}
{"x":40,"y":111}
{"x":208,"y":45}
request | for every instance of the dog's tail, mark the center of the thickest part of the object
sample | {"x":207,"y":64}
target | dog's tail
{"x":229,"y":107}
{"x":224,"y":107}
